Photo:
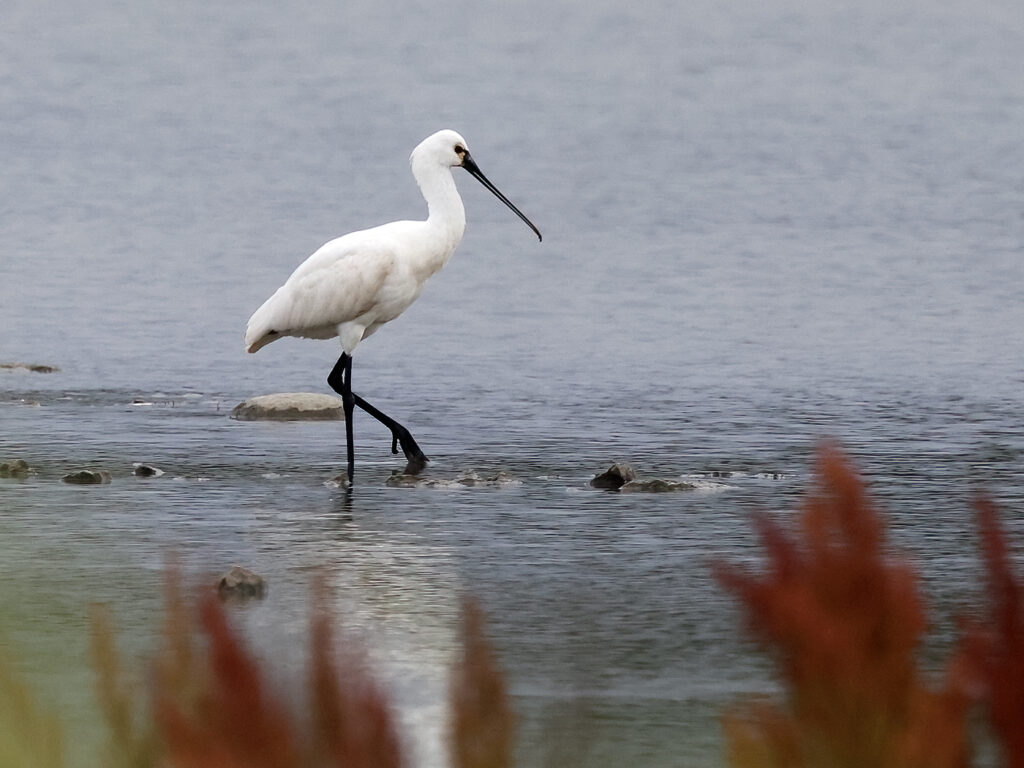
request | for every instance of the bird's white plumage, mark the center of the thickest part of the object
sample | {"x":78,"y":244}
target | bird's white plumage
{"x":354,"y":284}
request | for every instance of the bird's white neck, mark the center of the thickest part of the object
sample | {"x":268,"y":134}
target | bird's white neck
{"x":445,"y":212}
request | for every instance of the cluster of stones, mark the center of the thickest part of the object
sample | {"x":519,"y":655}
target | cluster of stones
{"x":17,"y":469}
{"x":465,"y":480}
{"x":621,"y":477}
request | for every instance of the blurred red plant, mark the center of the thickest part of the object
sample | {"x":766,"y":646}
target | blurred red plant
{"x":212,"y":706}
{"x":482,"y":723}
{"x":844,"y":620}
{"x":995,"y":647}
{"x":223,"y":715}
{"x":353,"y":724}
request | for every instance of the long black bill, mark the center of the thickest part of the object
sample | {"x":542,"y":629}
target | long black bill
{"x":470,"y":165}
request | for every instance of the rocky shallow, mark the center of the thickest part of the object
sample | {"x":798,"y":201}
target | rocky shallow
{"x":30,"y":367}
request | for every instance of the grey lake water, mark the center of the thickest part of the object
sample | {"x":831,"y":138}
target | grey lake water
{"x":765,"y":225}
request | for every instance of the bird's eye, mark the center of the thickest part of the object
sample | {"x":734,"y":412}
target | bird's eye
{"x":460,"y":150}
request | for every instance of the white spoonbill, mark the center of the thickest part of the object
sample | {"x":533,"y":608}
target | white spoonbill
{"x":354,"y":284}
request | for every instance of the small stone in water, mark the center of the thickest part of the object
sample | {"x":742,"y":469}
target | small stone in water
{"x":145,"y":470}
{"x":18,"y":469}
{"x":241,"y":582}
{"x":87,"y":477}
{"x":616,"y":476}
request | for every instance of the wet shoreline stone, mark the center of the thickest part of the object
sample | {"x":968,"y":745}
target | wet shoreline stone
{"x":290,"y":406}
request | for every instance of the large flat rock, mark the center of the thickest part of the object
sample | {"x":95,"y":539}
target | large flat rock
{"x":290,"y":406}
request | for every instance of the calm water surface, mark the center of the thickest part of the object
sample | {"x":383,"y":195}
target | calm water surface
{"x":764,"y":225}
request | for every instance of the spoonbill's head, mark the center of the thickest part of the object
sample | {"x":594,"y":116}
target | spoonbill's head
{"x":448,"y":149}
{"x":445,"y":148}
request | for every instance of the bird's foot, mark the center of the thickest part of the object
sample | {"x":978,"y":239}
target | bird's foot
{"x":416,"y":464}
{"x":415,"y":458}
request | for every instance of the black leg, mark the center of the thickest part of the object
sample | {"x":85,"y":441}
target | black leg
{"x":340,"y":381}
{"x":415,"y":458}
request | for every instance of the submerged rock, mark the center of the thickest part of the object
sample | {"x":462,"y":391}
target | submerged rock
{"x":18,"y":469}
{"x":241,"y":582}
{"x":290,"y":406}
{"x":87,"y":477}
{"x":656,"y":486}
{"x":465,"y":480}
{"x":32,"y":367}
{"x":146,"y":470}
{"x":612,"y":479}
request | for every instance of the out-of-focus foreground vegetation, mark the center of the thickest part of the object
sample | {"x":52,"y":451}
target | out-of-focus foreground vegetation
{"x":840,"y":614}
